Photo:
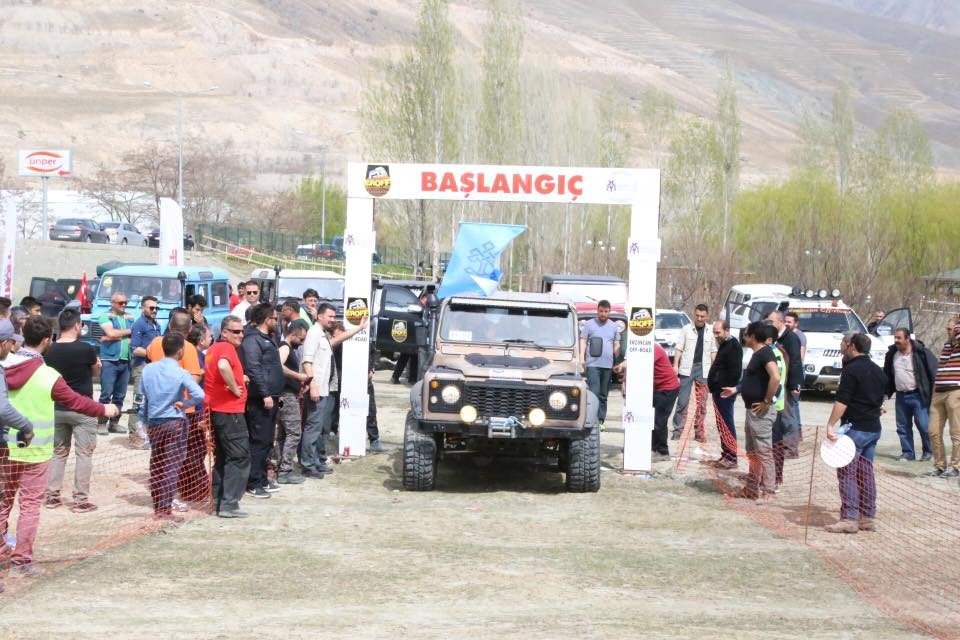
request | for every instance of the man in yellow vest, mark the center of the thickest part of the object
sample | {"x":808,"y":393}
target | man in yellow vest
{"x":34,"y":388}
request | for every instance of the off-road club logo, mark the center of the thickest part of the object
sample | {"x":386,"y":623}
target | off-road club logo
{"x":641,"y":320}
{"x":356,"y":310}
{"x":398,"y":331}
{"x":377,"y":182}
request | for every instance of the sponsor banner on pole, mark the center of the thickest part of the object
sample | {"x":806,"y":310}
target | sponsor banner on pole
{"x":586,"y":185}
{"x":45,"y":162}
{"x":9,"y":247}
{"x":171,"y":234}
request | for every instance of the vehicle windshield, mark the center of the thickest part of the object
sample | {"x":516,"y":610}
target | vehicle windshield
{"x":828,"y":320}
{"x":671,"y":321}
{"x":591,"y":291}
{"x":110,"y":225}
{"x":479,"y":323}
{"x":135,"y":287}
{"x":328,"y":288}
{"x":72,"y":222}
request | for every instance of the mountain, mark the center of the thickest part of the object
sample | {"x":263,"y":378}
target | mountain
{"x":289,"y":73}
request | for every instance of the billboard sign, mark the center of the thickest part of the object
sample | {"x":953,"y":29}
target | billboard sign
{"x":45,"y":162}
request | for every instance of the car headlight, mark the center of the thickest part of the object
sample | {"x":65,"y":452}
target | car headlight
{"x":537,"y":417}
{"x":450,"y":394}
{"x":557,"y":400}
{"x":468,"y":413}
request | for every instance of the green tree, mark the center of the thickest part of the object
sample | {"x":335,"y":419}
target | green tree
{"x":501,"y":111}
{"x":728,"y":138}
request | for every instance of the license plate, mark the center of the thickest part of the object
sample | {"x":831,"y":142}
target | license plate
{"x":837,"y":364}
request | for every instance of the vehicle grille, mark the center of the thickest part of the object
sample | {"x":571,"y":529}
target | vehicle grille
{"x":830,"y":371}
{"x":831,"y":353}
{"x":96,"y":331}
{"x":503,"y":400}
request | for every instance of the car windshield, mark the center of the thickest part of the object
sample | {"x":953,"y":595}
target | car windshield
{"x":110,"y":225}
{"x":135,"y":287}
{"x":481,"y":323}
{"x":72,"y":222}
{"x":591,"y":291}
{"x":828,"y":320}
{"x":328,"y":288}
{"x":671,"y":321}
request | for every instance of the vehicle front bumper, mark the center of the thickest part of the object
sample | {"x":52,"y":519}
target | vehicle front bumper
{"x":481,"y":429}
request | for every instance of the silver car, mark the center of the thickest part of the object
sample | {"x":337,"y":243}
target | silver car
{"x":124,"y":233}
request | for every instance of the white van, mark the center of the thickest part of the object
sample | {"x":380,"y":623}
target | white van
{"x":824,"y":319}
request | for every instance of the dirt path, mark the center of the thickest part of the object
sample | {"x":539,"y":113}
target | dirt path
{"x":498,"y":552}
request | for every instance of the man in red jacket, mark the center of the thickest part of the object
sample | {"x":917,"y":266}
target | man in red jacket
{"x":34,"y":388}
{"x":666,"y":387}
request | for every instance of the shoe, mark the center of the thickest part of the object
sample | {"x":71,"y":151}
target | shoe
{"x":116,"y":428}
{"x":272,"y":486}
{"x":395,"y":380}
{"x":675,"y":435}
{"x":952,"y":472}
{"x":52,"y":502}
{"x":32,"y":570}
{"x":765,"y":498}
{"x":844,"y":526}
{"x":313,"y":473}
{"x":375,"y":446}
{"x":102,"y":430}
{"x":776,"y":487}
{"x":167,"y":516}
{"x":866,"y":524}
{"x":179,"y":505}
{"x":324,"y":468}
{"x":290,"y":478}
{"x":659,"y":457}
{"x":903,"y":458}
{"x":936,"y":472}
{"x":233,"y":513}
{"x":926,"y":456}
{"x":83,"y":507}
{"x":603,"y":427}
{"x":258,"y":492}
{"x":725,"y":463}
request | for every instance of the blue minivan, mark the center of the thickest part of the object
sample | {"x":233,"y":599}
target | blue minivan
{"x":170,"y":285}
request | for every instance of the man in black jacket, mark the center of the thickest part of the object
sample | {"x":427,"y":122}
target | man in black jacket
{"x":786,"y":430}
{"x":910,"y":369}
{"x":261,"y":364}
{"x":725,"y":371}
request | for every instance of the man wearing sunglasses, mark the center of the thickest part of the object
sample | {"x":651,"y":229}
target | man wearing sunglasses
{"x":144,"y":330}
{"x":117,"y":326}
{"x":251,"y":296}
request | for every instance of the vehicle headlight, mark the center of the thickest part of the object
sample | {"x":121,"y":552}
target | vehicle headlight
{"x":468,"y":413}
{"x":450,"y":394}
{"x":557,"y":400}
{"x":537,"y":417}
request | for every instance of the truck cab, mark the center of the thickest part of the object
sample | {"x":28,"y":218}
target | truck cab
{"x":586,"y":288}
{"x":170,"y":285}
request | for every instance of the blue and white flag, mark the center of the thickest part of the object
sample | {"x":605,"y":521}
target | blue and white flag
{"x":475,"y":264}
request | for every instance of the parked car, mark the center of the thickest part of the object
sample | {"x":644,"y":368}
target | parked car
{"x":78,"y":230}
{"x":153,"y":240}
{"x":124,"y":233}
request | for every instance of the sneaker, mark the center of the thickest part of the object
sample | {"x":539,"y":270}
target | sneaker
{"x":179,"y":505}
{"x":272,"y":486}
{"x":927,"y":456}
{"x":258,"y":492}
{"x":324,"y":468}
{"x":952,"y":472}
{"x":903,"y":458}
{"x":843,"y":526}
{"x":116,"y":428}
{"x":936,"y":472}
{"x":395,"y":380}
{"x":725,"y":463}
{"x":866,"y":524}
{"x":659,"y":457}
{"x":233,"y":513}
{"x":52,"y":502}
{"x":32,"y":570}
{"x":83,"y":507}
{"x":313,"y":473}
{"x":375,"y":446}
{"x":290,"y":478}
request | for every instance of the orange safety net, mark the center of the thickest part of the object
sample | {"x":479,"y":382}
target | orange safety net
{"x":904,"y":567}
{"x":100,"y":491}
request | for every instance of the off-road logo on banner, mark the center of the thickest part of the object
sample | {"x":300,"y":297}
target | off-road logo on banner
{"x":641,"y":320}
{"x":377,"y":182}
{"x":398,"y":331}
{"x":356,"y":310}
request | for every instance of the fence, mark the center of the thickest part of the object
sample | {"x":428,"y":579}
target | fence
{"x":904,"y":567}
{"x":94,"y":494}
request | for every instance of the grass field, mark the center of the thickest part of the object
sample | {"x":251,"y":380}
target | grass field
{"x":495,"y":552}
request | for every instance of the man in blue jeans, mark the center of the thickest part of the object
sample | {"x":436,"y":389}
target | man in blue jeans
{"x":725,"y":371}
{"x":910,"y":369}
{"x":117,"y":325}
{"x":859,"y":403}
{"x":600,"y":336}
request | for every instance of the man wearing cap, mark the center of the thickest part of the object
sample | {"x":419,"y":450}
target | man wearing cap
{"x":35,"y":388}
